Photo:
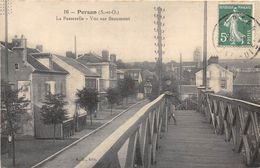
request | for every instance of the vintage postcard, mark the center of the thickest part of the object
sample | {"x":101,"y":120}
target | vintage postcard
{"x":129,"y":84}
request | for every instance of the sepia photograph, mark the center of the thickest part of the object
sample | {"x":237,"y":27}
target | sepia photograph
{"x":130,"y":84}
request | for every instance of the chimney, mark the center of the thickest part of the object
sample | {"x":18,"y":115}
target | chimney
{"x":113,"y":57}
{"x":105,"y":55}
{"x":213,"y":60}
{"x":39,"y":47}
{"x":20,"y":46}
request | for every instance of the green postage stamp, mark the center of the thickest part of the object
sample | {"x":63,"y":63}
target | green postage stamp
{"x":235,"y":25}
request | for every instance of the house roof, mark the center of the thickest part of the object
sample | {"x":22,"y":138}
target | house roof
{"x":239,"y":63}
{"x":219,"y":66}
{"x":247,"y":78}
{"x":43,"y":69}
{"x":38,"y":67}
{"x":77,"y":65}
{"x":29,"y":50}
{"x":9,"y":45}
{"x":32,"y":50}
{"x":90,"y":58}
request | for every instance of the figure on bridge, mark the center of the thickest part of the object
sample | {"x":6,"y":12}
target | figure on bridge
{"x":171,"y":102}
{"x":172,"y":114}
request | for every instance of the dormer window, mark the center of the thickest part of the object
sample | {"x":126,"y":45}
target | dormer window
{"x":16,"y":66}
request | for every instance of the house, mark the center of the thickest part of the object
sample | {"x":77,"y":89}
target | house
{"x":79,"y":77}
{"x":247,"y":84}
{"x":219,"y":79}
{"x":104,"y":65}
{"x":136,"y":74}
{"x":148,"y":75}
{"x":36,"y":74}
{"x":19,"y":76}
{"x":48,"y":77}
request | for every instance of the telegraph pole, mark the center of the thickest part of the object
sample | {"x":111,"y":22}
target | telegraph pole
{"x":75,"y":46}
{"x":6,"y":41}
{"x":180,"y":69}
{"x":11,"y":140}
{"x":159,"y":37}
{"x":180,"y":73}
{"x":205,"y":46}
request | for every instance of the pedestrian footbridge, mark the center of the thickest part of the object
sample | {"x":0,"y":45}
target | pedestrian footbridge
{"x":221,"y":132}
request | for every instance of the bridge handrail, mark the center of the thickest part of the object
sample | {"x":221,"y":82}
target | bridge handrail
{"x":246,"y":103}
{"x":141,"y":132}
{"x":237,"y":119}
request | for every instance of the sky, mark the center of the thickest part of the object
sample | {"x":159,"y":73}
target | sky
{"x":131,"y":40}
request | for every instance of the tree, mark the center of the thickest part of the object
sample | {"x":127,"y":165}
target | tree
{"x":120,"y":64}
{"x":113,"y":96}
{"x":88,"y":100}
{"x":126,"y":87}
{"x":53,"y":111}
{"x":12,"y":111}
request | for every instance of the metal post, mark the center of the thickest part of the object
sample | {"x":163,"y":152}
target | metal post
{"x":6,"y":41}
{"x":159,"y":42}
{"x":75,"y":46}
{"x":159,"y":45}
{"x":205,"y":46}
{"x":180,"y":83}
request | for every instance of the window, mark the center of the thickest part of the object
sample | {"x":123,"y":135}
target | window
{"x":39,"y":91}
{"x":223,"y":83}
{"x":47,"y":88}
{"x":62,"y":89}
{"x":91,"y":83}
{"x":111,"y":73}
{"x":50,"y":87}
{"x":136,"y":75}
{"x":99,"y":70}
{"x":208,"y":74}
{"x":223,"y":74}
{"x":24,"y":89}
{"x":16,"y":66}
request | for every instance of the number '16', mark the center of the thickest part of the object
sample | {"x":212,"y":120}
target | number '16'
{"x":66,"y":11}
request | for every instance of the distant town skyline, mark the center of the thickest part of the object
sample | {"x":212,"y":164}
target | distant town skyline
{"x":131,"y":40}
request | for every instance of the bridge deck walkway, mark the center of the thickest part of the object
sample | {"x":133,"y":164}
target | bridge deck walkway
{"x":192,"y":144}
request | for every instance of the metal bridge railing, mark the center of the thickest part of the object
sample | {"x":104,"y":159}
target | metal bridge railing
{"x":133,"y":144}
{"x":237,"y":119}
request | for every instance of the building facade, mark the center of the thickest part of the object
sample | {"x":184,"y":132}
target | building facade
{"x":104,"y":65}
{"x":79,"y":77}
{"x":36,"y":75}
{"x":219,"y":79}
{"x":19,"y":77}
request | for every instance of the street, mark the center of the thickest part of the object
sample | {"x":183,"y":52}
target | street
{"x":75,"y":154}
